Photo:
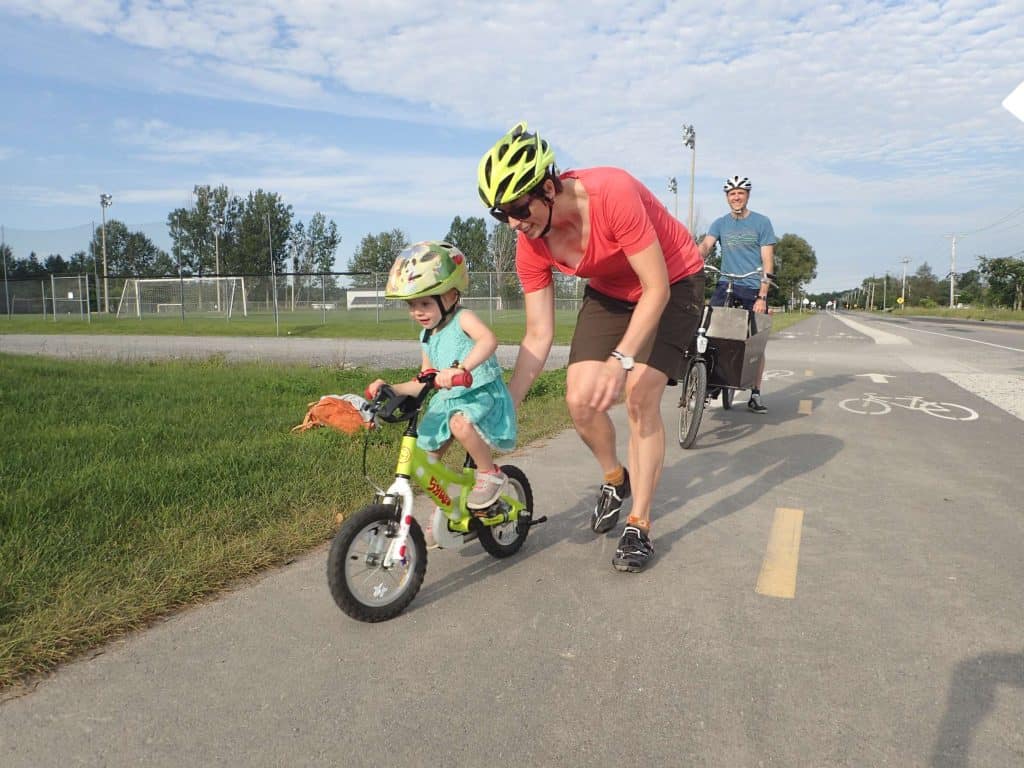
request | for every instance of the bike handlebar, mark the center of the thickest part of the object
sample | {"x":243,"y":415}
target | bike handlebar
{"x":713,"y":268}
{"x":461,"y":379}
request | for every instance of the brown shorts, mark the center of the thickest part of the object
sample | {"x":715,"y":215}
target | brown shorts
{"x":602,"y":322}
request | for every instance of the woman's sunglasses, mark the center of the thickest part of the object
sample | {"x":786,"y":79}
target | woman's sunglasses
{"x":519,"y":212}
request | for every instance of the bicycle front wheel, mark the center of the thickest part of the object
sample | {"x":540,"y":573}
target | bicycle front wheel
{"x":360,"y":583}
{"x":691,"y":402}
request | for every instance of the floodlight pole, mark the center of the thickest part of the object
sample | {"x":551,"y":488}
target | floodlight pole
{"x":674,"y":189}
{"x":105,"y":202}
{"x":690,"y":140}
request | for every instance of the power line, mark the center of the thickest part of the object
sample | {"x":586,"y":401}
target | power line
{"x":1004,"y":219}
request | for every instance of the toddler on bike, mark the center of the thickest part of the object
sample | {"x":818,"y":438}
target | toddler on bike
{"x":430,"y":277}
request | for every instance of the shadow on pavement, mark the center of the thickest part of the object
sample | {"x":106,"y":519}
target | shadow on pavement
{"x":972,"y":693}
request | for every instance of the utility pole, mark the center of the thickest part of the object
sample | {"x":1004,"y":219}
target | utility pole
{"x":952,"y":268}
{"x":903,"y":290}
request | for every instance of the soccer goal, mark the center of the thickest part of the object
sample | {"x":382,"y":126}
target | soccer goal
{"x":164,"y":295}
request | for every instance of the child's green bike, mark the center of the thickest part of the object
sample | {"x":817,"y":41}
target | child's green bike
{"x":379,"y":556}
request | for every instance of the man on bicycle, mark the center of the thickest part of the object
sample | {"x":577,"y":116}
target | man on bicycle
{"x":748,"y":243}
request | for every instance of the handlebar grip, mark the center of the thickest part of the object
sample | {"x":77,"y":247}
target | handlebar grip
{"x":463,"y":379}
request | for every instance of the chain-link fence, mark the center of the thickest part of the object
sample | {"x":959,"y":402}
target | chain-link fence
{"x":295,"y":298}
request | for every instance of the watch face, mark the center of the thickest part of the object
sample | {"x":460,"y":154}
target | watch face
{"x":626,"y":361}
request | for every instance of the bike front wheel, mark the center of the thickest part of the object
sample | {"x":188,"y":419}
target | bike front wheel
{"x":691,"y":402}
{"x":505,"y":539}
{"x":360,"y":583}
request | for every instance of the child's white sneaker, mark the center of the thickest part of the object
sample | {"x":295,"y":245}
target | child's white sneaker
{"x":487,"y":490}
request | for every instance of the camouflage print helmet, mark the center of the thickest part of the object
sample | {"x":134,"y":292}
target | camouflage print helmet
{"x":429,"y":268}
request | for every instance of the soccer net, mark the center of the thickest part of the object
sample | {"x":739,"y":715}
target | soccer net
{"x":164,"y":295}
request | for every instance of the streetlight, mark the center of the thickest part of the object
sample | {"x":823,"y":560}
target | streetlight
{"x":690,"y":140}
{"x":105,"y":202}
{"x":674,"y":189}
{"x":952,"y":268}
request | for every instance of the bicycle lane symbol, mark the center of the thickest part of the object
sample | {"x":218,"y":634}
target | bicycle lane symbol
{"x":874,"y":404}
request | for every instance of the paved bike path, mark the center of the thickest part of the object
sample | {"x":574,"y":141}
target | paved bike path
{"x":891,"y":652}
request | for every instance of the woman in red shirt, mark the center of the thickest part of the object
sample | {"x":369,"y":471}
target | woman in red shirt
{"x":641,"y":308}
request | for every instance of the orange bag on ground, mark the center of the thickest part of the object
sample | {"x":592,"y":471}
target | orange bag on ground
{"x":342,"y":412}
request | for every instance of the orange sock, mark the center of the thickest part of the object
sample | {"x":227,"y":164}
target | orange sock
{"x":615,"y":477}
{"x":643,"y":525}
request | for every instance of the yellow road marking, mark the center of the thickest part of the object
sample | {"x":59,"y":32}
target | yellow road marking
{"x":778,"y":571}
{"x":805,"y":408}
{"x":808,"y":372}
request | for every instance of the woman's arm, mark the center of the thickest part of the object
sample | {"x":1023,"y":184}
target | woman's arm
{"x":649,"y":265}
{"x":536,"y":344}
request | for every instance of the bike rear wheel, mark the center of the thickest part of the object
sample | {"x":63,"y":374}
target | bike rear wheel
{"x":360,"y":584}
{"x":691,"y":402}
{"x":505,"y":539}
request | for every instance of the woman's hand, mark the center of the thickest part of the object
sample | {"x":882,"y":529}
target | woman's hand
{"x":611,"y":380}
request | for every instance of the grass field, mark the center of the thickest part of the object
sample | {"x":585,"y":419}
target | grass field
{"x":362,"y":324}
{"x":969,"y":313}
{"x":128,"y":490}
{"x":508,"y":325}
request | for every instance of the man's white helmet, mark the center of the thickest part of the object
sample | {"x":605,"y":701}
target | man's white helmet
{"x":736,"y":182}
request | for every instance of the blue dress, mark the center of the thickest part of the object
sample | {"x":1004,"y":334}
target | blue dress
{"x":487,"y":404}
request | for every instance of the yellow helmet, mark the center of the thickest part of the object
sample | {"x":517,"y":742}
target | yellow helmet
{"x":514,"y":166}
{"x":430,"y":268}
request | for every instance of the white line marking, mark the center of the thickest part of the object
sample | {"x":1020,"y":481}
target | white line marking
{"x":962,"y":338}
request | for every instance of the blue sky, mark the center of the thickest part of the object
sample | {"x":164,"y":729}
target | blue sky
{"x":871,"y":129}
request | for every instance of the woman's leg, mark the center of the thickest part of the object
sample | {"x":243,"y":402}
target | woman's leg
{"x":594,"y":427}
{"x":644,"y":388}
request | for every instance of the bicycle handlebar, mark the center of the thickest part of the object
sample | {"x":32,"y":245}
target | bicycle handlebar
{"x":429,"y":376}
{"x":713,"y":268}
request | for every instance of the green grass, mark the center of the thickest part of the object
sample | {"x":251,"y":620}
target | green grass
{"x":508,"y":325}
{"x":972,"y":313}
{"x":362,"y":324}
{"x":129,"y":490}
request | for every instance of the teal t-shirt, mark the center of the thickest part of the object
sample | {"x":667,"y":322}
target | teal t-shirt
{"x":741,"y":241}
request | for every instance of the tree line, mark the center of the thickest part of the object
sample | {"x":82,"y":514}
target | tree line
{"x":996,"y":282}
{"x":221,"y":233}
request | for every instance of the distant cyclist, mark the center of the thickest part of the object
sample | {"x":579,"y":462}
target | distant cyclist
{"x":748,"y":243}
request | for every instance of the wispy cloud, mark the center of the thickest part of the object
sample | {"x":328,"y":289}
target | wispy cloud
{"x":849,"y":109}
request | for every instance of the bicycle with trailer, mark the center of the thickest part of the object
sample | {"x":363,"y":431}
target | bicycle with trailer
{"x":724,"y":356}
{"x":378,"y":558}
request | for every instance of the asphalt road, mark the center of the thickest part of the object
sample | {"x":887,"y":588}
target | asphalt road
{"x":895,"y":523}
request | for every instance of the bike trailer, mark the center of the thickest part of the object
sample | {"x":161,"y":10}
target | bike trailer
{"x":740,"y":336}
